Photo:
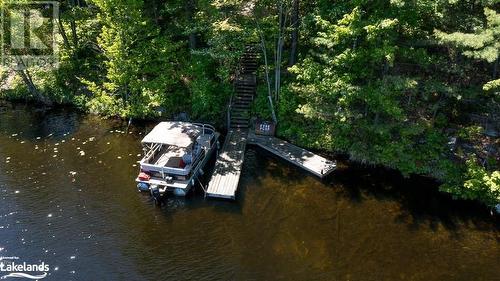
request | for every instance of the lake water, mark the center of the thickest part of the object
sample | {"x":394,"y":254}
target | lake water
{"x":68,"y":198}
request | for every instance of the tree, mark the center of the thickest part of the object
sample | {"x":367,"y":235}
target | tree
{"x":141,"y":62}
{"x":483,"y":44}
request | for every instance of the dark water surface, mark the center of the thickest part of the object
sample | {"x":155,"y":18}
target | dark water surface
{"x":360,"y":224}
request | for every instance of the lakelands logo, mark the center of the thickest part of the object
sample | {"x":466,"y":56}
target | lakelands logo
{"x":13,"y":269}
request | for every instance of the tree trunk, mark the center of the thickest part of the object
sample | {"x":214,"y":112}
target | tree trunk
{"x":25,"y":75}
{"x":74,"y":35}
{"x":63,"y":33}
{"x":73,"y":26}
{"x":279,"y":51}
{"x":295,"y":33}
{"x":495,"y":69}
{"x":268,"y":79}
{"x":190,"y":9}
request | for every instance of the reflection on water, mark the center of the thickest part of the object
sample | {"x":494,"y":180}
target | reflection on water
{"x":67,"y":197}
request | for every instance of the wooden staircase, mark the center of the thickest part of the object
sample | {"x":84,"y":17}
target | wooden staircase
{"x":245,"y":88}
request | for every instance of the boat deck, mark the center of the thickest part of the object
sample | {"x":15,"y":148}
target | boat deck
{"x":300,"y":157}
{"x":226,"y":176}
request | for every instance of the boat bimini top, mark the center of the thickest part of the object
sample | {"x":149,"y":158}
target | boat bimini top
{"x":179,"y":134}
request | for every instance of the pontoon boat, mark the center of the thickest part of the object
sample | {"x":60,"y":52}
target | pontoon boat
{"x":174,"y":155}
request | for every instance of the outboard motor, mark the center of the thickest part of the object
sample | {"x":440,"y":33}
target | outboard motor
{"x":155,"y":192}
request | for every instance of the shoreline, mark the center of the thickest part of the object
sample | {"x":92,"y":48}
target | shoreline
{"x":343,"y":158}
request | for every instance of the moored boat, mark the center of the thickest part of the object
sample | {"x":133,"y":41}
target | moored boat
{"x":174,"y":156}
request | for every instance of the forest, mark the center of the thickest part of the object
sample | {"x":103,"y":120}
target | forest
{"x":410,"y":85}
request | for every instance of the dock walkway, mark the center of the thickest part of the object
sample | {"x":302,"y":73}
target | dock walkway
{"x":300,"y":157}
{"x":226,"y":176}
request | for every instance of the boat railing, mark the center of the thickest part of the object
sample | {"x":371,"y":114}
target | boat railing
{"x":229,"y":107}
{"x":198,"y":161}
{"x":155,"y":147}
{"x":210,"y":127}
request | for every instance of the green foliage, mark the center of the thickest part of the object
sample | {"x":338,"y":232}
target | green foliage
{"x":483,"y":44}
{"x":471,"y":133}
{"x":479,"y":184}
{"x":208,"y":97}
{"x":356,"y":92}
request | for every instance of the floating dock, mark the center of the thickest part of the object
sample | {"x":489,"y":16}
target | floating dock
{"x":226,"y":176}
{"x":227,"y":172}
{"x":300,"y":157}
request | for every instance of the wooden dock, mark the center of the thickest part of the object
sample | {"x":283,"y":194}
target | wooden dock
{"x":226,"y":176}
{"x":300,"y":157}
{"x":224,"y":182}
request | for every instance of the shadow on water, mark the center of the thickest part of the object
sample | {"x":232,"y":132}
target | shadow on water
{"x":421,"y":202}
{"x":419,"y":197}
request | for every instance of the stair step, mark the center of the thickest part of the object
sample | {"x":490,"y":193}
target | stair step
{"x":245,"y":106}
{"x":243,"y":97}
{"x":245,"y":94}
{"x":246,"y":100}
{"x":246,"y":86}
{"x":242,"y":103}
{"x":239,"y":121}
{"x":240,"y":116}
{"x":239,"y":126}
